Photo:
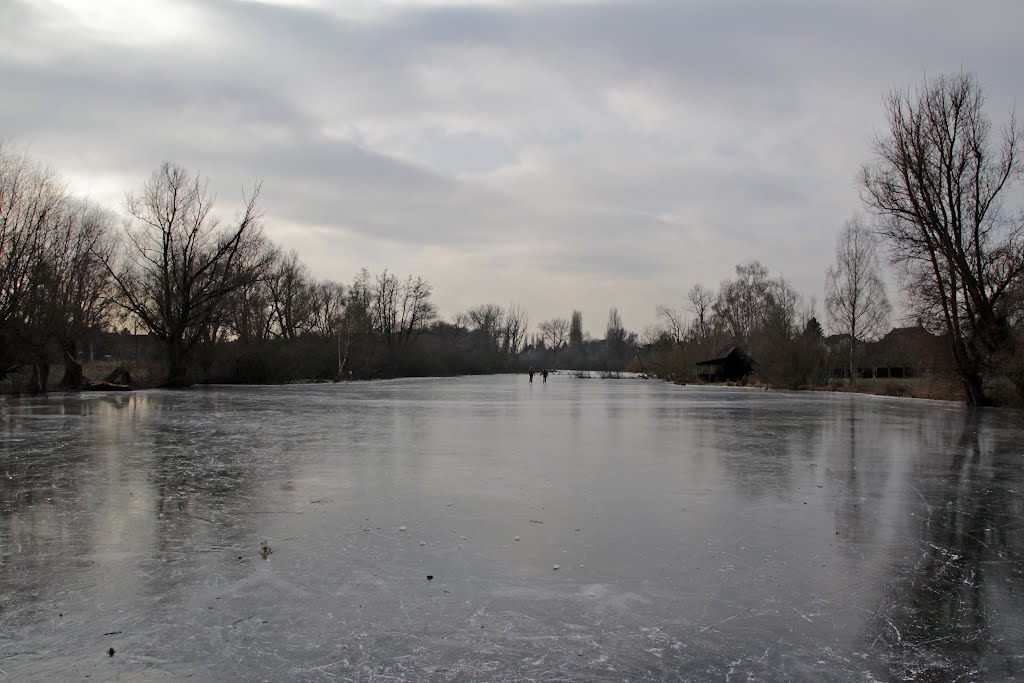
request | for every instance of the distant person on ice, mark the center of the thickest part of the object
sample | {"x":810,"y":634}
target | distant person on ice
{"x":544,"y":374}
{"x":531,"y":374}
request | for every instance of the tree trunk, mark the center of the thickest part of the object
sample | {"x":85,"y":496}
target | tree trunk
{"x":852,"y":363}
{"x":177,"y":366}
{"x":342,"y":357}
{"x":970,"y":372}
{"x":40,"y":378}
{"x":73,"y":378}
{"x":973,"y":389}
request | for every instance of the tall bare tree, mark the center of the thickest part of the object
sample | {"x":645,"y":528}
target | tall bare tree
{"x":752,"y":305}
{"x":417,"y":310}
{"x":29,"y":194}
{"x":855,"y":299}
{"x":673,"y":323}
{"x":938,"y":184}
{"x":614,"y":336}
{"x":291,"y":297}
{"x":701,"y":300}
{"x":73,"y":271}
{"x":486,"y":322}
{"x":328,"y":308}
{"x":179,"y":265}
{"x":327,"y":318}
{"x":402,"y":311}
{"x":515,"y":324}
{"x":760,"y":314}
{"x":555,"y":332}
{"x":357,"y":332}
{"x":250,"y":314}
{"x":53,"y":284}
{"x":576,"y":331}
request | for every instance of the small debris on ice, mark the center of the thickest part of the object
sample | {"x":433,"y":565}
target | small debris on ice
{"x":517,"y":538}
{"x":462,"y":538}
{"x":430,"y":577}
{"x":401,"y":528}
{"x":556,"y":567}
{"x":111,"y":652}
{"x":423,"y":542}
{"x":265,"y":548}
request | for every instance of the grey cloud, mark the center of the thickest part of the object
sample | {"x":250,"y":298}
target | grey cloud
{"x":634,"y":141}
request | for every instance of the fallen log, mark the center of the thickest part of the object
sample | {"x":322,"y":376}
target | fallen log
{"x":100,"y":385}
{"x":120,"y":375}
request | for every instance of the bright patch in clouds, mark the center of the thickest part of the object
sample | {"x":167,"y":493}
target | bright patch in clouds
{"x":132,"y":22}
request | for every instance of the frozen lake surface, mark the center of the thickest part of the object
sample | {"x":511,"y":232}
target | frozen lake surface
{"x":699,"y":534}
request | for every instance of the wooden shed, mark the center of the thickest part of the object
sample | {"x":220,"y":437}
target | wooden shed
{"x":730,"y":367}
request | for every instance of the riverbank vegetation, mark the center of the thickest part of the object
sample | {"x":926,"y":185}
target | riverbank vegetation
{"x":175,"y":294}
{"x":939,"y":192}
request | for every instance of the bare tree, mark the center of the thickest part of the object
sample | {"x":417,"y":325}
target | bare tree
{"x":938,"y":184}
{"x":615,"y":335}
{"x":674,"y":322}
{"x":652,"y":335}
{"x":327,"y":318}
{"x":357,"y":332}
{"x":555,"y":332}
{"x":53,"y":284}
{"x":515,"y":324}
{"x":497,"y":334}
{"x":327,"y":308}
{"x":76,"y":280}
{"x":178,"y":264}
{"x":855,"y":299}
{"x":291,"y":296}
{"x":760,"y":314}
{"x":28,"y":195}
{"x":743,"y":303}
{"x":402,"y":310}
{"x":486,"y":322}
{"x":418,"y":311}
{"x":250,"y":314}
{"x":385,"y":309}
{"x":701,"y":300}
{"x":359,"y":301}
{"x":576,"y":331}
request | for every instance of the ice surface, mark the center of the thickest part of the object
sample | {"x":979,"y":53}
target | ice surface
{"x":719,"y":534}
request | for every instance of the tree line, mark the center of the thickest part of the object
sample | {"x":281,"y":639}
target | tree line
{"x":223,"y":303}
{"x":213,"y":295}
{"x":938,"y":192}
{"x":763,"y":315}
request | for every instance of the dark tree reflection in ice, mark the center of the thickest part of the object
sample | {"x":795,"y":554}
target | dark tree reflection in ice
{"x":956,"y":600}
{"x":700,"y":534}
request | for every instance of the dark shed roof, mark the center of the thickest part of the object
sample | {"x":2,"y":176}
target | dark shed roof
{"x":732,"y":354}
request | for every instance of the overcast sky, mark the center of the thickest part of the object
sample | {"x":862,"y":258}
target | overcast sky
{"x":556,"y":155}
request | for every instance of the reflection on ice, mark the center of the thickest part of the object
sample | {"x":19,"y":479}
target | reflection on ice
{"x":412,"y":529}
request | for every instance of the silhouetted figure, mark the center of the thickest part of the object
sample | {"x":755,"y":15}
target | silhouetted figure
{"x":544,"y":374}
{"x":531,"y":374}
